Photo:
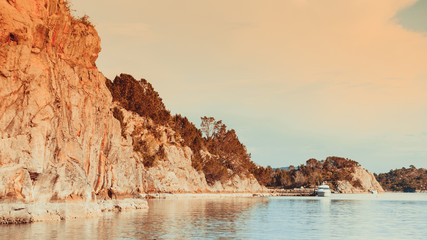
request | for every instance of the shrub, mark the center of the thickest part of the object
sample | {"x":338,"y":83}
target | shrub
{"x":138,"y":97}
{"x":119,"y":116}
{"x":142,"y":147}
{"x":85,"y":20}
{"x":192,"y":138}
{"x":214,"y":170}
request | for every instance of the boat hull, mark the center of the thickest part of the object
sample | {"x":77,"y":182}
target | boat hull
{"x":324,"y":193}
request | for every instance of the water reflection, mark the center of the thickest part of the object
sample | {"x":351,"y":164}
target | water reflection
{"x":338,"y":217}
{"x":198,"y":218}
{"x":70,"y":229}
{"x":165,"y":219}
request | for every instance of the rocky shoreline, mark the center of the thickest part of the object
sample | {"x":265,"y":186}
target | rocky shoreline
{"x":21,"y":212}
{"x":18,"y":213}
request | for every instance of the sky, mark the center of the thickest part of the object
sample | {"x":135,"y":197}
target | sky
{"x":296,"y":79}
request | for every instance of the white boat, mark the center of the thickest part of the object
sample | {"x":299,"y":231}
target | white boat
{"x":374,"y":191}
{"x":323,"y":190}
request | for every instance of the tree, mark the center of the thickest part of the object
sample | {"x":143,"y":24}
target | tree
{"x":210,"y":127}
{"x":139,"y":97}
{"x":313,"y":163}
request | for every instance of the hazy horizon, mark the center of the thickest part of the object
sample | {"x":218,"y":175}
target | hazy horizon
{"x":296,"y":79}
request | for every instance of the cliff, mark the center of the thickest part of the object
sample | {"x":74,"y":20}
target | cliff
{"x":361,"y":181}
{"x":57,"y":134}
{"x":168,"y":161}
{"x":60,"y":139}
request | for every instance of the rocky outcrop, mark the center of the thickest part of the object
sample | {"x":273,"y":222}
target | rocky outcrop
{"x":363,"y":181}
{"x":37,"y":212}
{"x":172,"y":170}
{"x":59,"y":140}
{"x":174,"y":173}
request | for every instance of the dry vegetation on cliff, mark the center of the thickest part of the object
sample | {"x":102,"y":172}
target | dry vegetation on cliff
{"x":225,"y":154}
{"x":404,"y":180}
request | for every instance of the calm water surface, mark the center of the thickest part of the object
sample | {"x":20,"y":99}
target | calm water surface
{"x":383,"y":216}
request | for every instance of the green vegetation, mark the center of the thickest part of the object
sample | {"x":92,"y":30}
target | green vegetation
{"x":404,"y":179}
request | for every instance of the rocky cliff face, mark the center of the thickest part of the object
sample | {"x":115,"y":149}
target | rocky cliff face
{"x":172,"y":170}
{"x":58,"y":137}
{"x":365,"y":180}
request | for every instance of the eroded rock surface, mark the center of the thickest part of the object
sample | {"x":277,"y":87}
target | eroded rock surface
{"x":55,"y":211}
{"x":366,"y":182}
{"x":58,"y":138}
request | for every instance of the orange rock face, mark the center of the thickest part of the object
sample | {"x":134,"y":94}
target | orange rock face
{"x":55,"y":118}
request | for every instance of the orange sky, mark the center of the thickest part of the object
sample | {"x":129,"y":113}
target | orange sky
{"x":296,"y":79}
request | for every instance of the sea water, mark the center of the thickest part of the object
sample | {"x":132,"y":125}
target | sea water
{"x":342,"y":216}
